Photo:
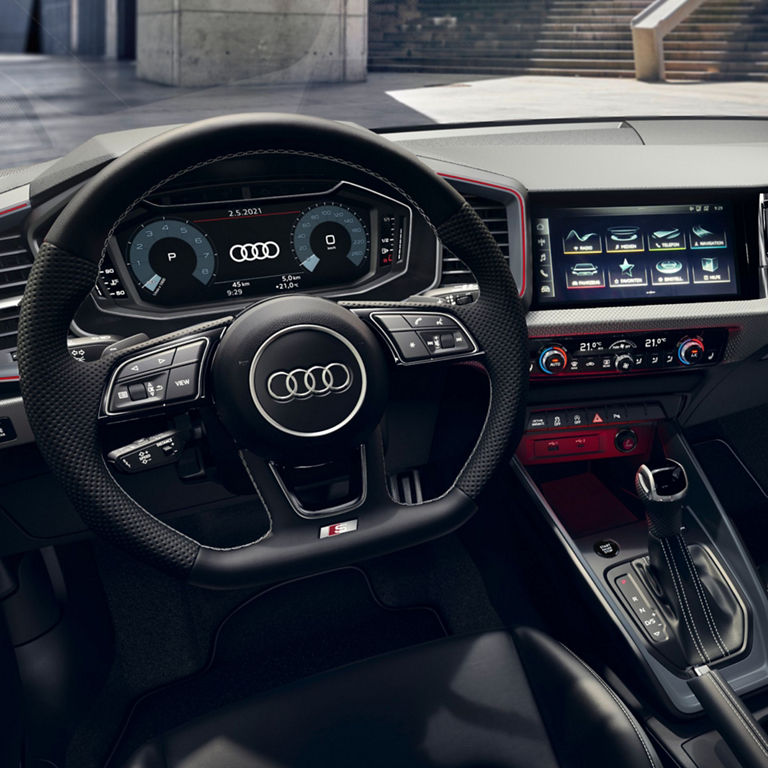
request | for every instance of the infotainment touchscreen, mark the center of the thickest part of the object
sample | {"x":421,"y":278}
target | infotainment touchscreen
{"x":652,"y":252}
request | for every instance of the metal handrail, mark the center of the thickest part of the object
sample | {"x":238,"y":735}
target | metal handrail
{"x":650,"y":27}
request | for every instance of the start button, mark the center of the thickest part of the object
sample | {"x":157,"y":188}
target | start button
{"x":606,"y":548}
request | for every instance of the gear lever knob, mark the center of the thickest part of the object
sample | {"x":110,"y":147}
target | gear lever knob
{"x":663,"y":491}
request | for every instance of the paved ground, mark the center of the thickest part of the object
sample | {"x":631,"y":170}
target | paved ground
{"x":49,"y":105}
{"x":530,"y":97}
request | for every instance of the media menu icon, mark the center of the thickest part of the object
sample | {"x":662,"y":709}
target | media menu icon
{"x":626,"y":238}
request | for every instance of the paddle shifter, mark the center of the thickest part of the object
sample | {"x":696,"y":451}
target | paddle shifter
{"x":700,"y":606}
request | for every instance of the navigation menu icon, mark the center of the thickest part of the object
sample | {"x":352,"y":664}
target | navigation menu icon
{"x":707,"y":237}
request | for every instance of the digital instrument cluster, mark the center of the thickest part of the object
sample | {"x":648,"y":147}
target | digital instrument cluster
{"x":188,"y":254}
{"x":628,"y":254}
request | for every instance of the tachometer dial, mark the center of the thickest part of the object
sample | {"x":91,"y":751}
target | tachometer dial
{"x":171,"y":258}
{"x":330,"y":240}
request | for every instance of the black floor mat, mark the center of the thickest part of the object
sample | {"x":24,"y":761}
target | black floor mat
{"x":284,"y":634}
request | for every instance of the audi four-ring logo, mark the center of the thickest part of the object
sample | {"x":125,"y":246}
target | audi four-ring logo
{"x":254,"y":251}
{"x":309,"y":382}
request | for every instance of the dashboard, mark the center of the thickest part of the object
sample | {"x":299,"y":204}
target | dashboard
{"x":642,"y":270}
{"x":622,"y":243}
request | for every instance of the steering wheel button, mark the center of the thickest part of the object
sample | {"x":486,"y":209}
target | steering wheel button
{"x":145,"y":364}
{"x":182,"y":382}
{"x":120,"y":399}
{"x":461,"y":342}
{"x":393,"y":322}
{"x":137,"y":391}
{"x":422,"y":322}
{"x":7,"y":431}
{"x":189,"y":353}
{"x":410,"y":346}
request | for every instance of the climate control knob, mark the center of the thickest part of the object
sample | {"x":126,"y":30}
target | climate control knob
{"x":690,"y":351}
{"x":553,"y":360}
{"x":624,"y":363}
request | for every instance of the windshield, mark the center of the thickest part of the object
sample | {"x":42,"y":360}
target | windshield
{"x":72,"y":69}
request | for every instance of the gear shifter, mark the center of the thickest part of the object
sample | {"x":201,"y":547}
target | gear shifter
{"x":702,"y":610}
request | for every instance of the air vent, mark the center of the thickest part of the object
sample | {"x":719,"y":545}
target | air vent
{"x":494,"y":214}
{"x":15,"y":264}
{"x":9,"y":324}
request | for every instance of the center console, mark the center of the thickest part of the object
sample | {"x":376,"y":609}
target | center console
{"x":646,"y":307}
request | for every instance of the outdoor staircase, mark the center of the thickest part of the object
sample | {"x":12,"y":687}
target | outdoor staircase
{"x":724,"y":39}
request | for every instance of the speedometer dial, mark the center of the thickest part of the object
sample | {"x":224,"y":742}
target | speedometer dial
{"x":171,"y":258}
{"x":330,"y":240}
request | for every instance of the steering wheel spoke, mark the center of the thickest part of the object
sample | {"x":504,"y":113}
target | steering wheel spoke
{"x":418,"y":334}
{"x":162,"y":375}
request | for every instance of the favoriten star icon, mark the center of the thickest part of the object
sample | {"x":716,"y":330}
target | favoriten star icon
{"x":626,"y":267}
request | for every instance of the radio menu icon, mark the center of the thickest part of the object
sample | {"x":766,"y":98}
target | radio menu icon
{"x":582,"y":242}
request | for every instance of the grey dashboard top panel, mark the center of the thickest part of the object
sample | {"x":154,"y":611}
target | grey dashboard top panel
{"x":723,"y":131}
{"x":564,"y":134}
{"x":611,"y":154}
{"x":618,"y":167}
{"x":17,"y":177}
{"x":89,"y":157}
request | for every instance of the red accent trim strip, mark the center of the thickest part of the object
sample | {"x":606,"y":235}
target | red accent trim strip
{"x":15,"y":208}
{"x":9,"y":378}
{"x":254,"y":216}
{"x":522,"y":212}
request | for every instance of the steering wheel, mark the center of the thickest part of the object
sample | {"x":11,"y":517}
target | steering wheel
{"x":338,"y":350}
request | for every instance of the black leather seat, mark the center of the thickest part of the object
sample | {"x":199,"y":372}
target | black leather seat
{"x":487,"y":701}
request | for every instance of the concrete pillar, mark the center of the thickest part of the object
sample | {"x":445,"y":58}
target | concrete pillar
{"x":14,"y":26}
{"x":87,"y":27}
{"x":120,"y":29}
{"x":210,"y":42}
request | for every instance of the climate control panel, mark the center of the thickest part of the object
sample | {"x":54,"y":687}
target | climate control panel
{"x":621,"y":354}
